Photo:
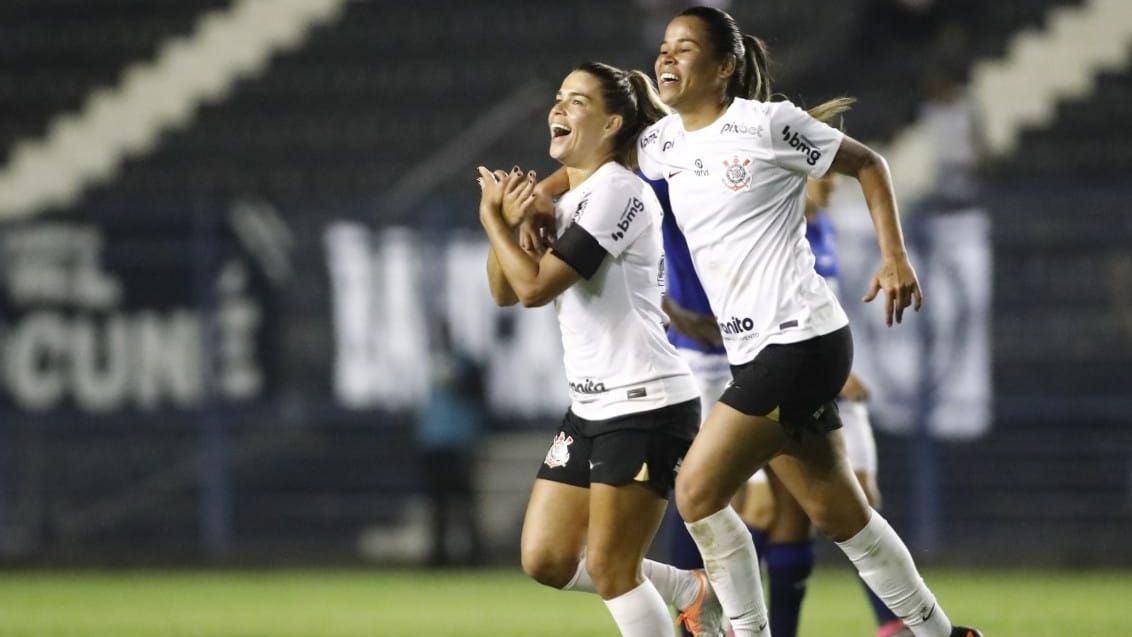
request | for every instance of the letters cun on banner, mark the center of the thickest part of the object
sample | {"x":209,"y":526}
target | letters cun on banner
{"x":78,"y":334}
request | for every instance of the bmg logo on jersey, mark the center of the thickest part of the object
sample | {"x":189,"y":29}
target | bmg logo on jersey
{"x":802,"y":145}
{"x":737,"y":326}
{"x":632,"y":209}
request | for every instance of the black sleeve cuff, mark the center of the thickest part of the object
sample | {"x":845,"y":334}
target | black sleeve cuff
{"x":580,"y":251}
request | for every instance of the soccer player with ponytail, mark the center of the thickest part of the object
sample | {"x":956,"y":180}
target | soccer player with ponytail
{"x":736,"y":164}
{"x":601,"y":491}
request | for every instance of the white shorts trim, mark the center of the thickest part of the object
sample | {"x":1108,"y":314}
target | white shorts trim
{"x":860,"y":446}
{"x":712,"y":374}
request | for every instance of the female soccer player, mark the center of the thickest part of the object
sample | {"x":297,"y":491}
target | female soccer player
{"x":635,"y":408}
{"x":788,"y":550}
{"x":780,"y":528}
{"x":736,"y":166}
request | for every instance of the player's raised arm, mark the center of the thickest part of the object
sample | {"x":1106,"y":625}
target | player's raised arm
{"x":512,"y":272}
{"x":895,"y":275}
{"x":501,"y":290}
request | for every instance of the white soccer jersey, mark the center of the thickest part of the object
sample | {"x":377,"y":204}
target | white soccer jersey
{"x":737,"y":189}
{"x":618,"y":359}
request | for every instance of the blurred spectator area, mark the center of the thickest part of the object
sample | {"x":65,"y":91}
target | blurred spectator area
{"x":54,"y":53}
{"x":336,"y":122}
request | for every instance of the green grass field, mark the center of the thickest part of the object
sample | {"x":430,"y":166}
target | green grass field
{"x":496,"y":603}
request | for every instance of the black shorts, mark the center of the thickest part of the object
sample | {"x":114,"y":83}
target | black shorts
{"x":795,"y":384}
{"x":645,"y":447}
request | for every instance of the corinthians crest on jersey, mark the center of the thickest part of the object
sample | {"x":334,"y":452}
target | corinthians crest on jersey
{"x":737,"y":173}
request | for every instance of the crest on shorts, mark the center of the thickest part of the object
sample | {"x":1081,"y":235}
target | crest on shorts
{"x":737,"y":175}
{"x":559,"y":453}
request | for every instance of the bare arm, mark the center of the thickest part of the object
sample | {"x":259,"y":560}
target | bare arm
{"x":554,"y":185}
{"x":895,"y":276}
{"x":871,"y":170}
{"x":501,"y":289}
{"x":532,"y":281}
{"x":511,"y":198}
{"x":702,"y":327}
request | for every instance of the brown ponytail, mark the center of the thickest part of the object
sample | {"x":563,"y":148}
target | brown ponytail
{"x":633,"y":96}
{"x":754,"y":75}
{"x":650,"y":110}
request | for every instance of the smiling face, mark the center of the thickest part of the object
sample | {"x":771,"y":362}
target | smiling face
{"x":687,"y":72}
{"x":581,"y":131}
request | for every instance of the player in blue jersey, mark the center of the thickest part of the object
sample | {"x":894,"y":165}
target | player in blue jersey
{"x":692,"y":329}
{"x":694,"y":332}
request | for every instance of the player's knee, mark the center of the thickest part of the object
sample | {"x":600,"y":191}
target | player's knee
{"x":695,"y":499}
{"x":611,"y":573}
{"x":823,"y":515}
{"x":839,"y":520}
{"x":548,"y":568}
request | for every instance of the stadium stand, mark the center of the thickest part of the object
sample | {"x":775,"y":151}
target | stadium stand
{"x":54,"y":53}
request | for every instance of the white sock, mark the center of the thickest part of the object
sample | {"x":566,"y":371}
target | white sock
{"x":581,"y":581}
{"x":733,"y":568}
{"x":676,"y":586}
{"x":886,"y":566}
{"x":641,"y":613}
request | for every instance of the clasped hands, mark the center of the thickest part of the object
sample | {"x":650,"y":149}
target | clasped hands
{"x":515,"y":198}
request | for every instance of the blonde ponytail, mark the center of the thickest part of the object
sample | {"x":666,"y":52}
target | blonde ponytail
{"x":830,"y":112}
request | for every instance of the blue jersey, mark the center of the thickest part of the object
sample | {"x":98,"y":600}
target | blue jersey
{"x":682,"y":285}
{"x":823,"y":241}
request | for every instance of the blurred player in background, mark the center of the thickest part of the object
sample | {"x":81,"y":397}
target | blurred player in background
{"x":736,"y":165}
{"x":602,"y":489}
{"x":451,"y":422}
{"x":693,"y":330}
